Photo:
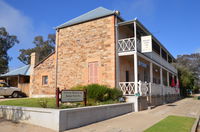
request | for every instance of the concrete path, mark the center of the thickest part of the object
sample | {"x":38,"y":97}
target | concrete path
{"x":132,"y":122}
{"x":138,"y":122}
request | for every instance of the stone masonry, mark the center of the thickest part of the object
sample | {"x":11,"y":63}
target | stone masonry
{"x":92,"y":41}
{"x":78,"y":45}
{"x":44,"y":68}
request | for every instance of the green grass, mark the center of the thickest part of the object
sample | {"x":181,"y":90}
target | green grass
{"x":50,"y":102}
{"x":196,"y":97}
{"x":173,"y":124}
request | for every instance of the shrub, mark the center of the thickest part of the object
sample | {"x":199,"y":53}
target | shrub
{"x":97,"y":92}
{"x":115,"y":93}
{"x":43,"y":102}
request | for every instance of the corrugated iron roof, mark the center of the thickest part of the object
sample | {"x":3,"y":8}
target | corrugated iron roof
{"x":25,"y":70}
{"x":94,"y":14}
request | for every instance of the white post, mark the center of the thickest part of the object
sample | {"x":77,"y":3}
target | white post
{"x":161,"y":76}
{"x":167,"y":78}
{"x":161,"y":79}
{"x":151,"y":80}
{"x":136,"y":69}
{"x":135,"y":61}
{"x":151,"y":72}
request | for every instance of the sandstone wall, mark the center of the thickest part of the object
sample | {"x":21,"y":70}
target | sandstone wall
{"x":83,"y":43}
{"x":45,"y":68}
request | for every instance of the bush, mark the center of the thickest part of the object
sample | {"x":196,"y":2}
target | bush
{"x":97,"y":92}
{"x":43,"y":102}
{"x":100,"y":93}
{"x":115,"y":93}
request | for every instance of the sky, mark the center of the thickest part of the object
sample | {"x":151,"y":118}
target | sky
{"x":175,"y":23}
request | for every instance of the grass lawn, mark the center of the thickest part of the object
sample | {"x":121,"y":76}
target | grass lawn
{"x":49,"y":102}
{"x":173,"y":124}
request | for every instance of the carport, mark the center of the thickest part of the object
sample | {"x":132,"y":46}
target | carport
{"x":19,"y":77}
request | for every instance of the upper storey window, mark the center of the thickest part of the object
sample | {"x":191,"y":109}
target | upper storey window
{"x":156,"y":47}
{"x":169,"y":59}
{"x":164,"y":55}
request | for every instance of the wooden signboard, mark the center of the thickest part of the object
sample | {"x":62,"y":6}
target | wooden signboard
{"x":71,"y":96}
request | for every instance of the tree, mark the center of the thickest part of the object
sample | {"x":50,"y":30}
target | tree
{"x":192,"y":64}
{"x":6,"y":42}
{"x":43,"y":48}
{"x":189,"y":72}
{"x":187,"y":79}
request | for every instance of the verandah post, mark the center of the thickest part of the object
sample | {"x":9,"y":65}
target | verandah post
{"x":135,"y":69}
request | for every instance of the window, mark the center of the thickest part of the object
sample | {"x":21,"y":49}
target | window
{"x":44,"y":80}
{"x":164,"y":55}
{"x":93,"y":72}
{"x":156,"y":47}
{"x":169,"y":59}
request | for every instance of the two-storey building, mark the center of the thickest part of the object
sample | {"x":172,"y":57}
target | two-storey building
{"x":100,"y":47}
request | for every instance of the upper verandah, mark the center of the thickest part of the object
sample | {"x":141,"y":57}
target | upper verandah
{"x":101,"y":12}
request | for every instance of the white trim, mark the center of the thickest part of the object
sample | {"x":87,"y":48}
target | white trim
{"x":126,"y":53}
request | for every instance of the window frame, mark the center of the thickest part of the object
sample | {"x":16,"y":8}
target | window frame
{"x":45,"y":82}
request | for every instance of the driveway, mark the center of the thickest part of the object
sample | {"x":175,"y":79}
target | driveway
{"x":132,"y":122}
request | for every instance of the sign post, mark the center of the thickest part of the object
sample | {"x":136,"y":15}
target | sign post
{"x":57,"y":97}
{"x":71,"y":96}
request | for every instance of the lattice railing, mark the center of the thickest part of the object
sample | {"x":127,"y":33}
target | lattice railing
{"x":125,"y":45}
{"x":128,"y":88}
{"x":143,"y":88}
{"x":155,"y":89}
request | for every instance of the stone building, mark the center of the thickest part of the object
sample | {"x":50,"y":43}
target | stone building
{"x":101,"y":47}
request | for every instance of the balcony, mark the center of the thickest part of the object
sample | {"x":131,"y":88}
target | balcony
{"x":127,"y":47}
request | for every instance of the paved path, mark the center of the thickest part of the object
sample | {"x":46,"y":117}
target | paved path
{"x":132,"y":122}
{"x":138,"y":122}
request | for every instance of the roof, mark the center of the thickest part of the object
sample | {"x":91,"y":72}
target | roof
{"x":93,"y":14}
{"x":25,"y":70}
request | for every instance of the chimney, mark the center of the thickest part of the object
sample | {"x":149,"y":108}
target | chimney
{"x":34,"y":59}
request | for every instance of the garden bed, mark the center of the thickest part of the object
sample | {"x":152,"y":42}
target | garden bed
{"x":50,"y":103}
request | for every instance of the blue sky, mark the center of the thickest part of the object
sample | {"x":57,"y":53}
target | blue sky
{"x":175,"y":23}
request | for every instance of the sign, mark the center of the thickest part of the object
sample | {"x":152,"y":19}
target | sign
{"x":146,"y":44}
{"x":72,"y":96}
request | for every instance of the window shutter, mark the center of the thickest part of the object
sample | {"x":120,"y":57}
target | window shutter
{"x":93,"y":72}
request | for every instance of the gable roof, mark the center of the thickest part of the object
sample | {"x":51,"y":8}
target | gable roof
{"x":93,"y":14}
{"x":25,"y":70}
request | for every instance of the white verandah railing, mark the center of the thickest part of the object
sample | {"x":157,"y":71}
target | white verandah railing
{"x":128,"y":88}
{"x":126,"y":45}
